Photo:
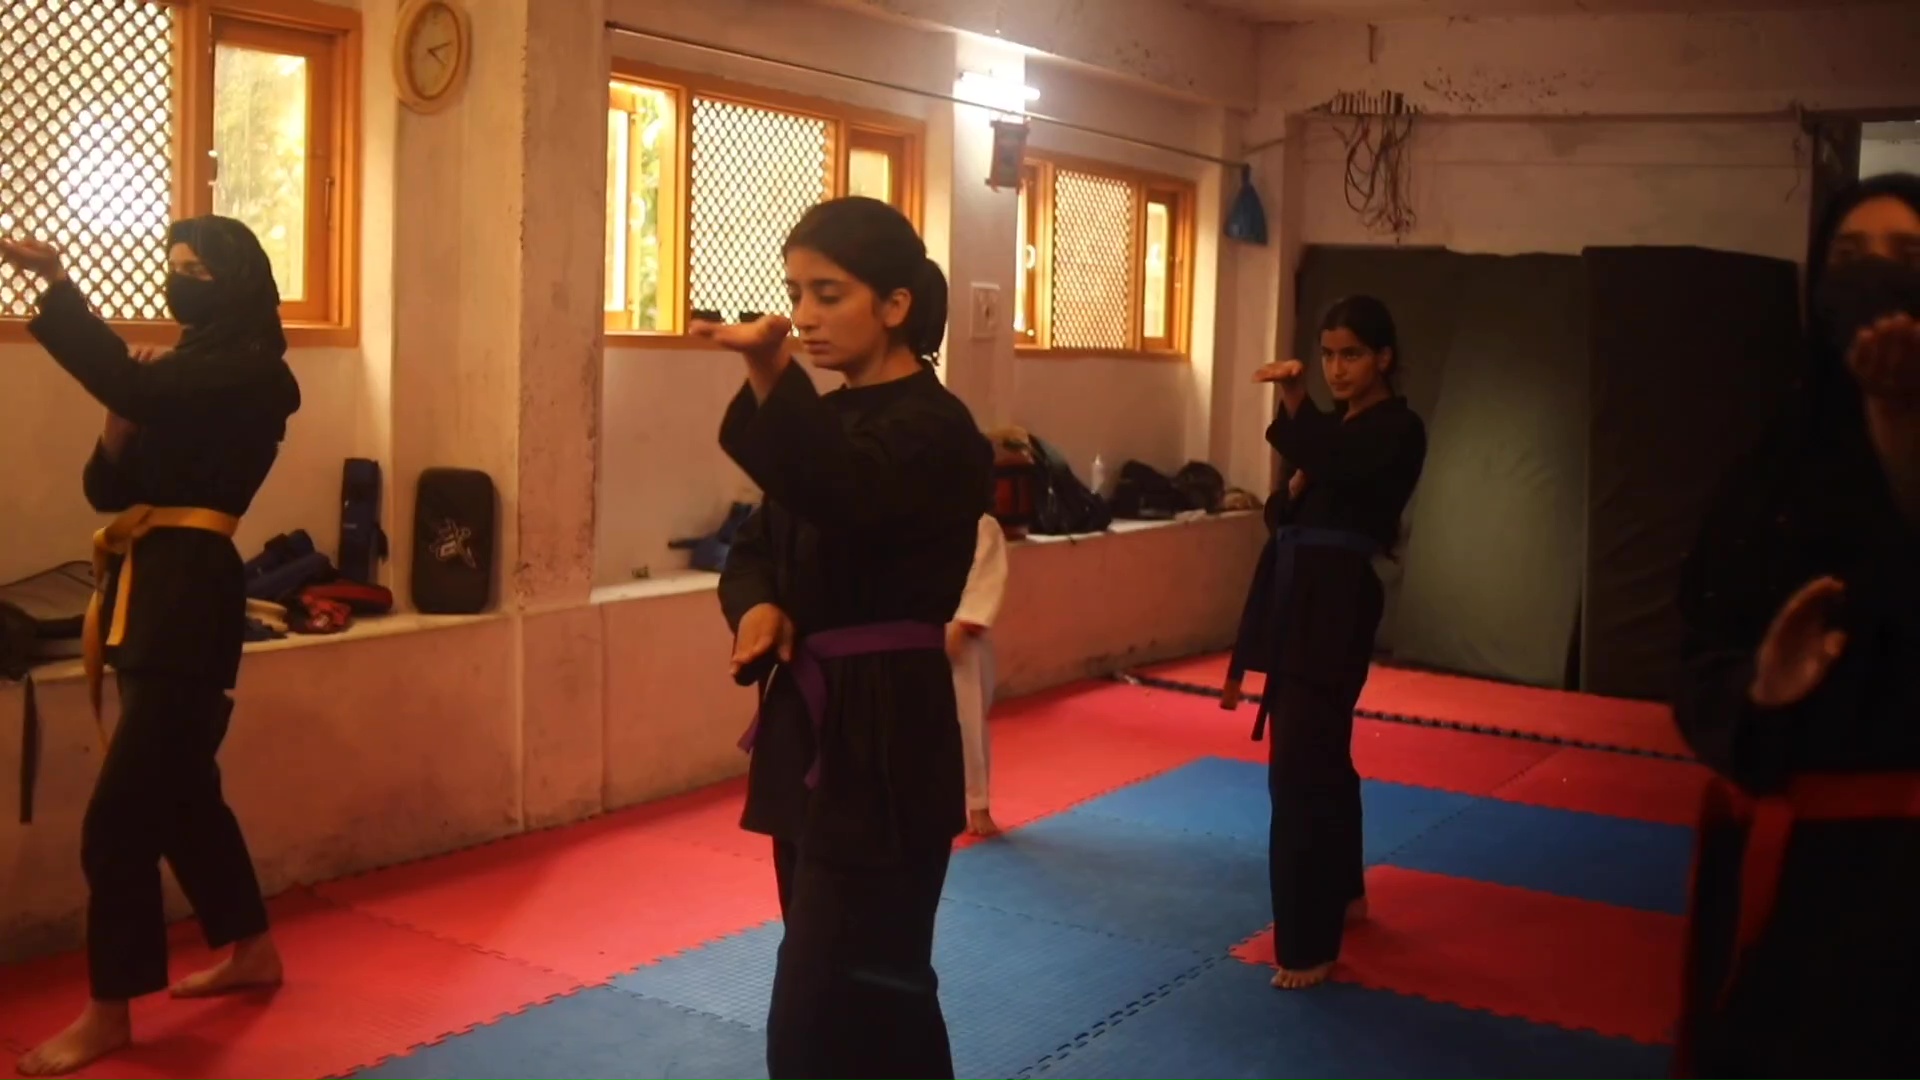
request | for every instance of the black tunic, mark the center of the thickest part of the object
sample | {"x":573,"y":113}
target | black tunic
{"x":210,"y":424}
{"x":1360,"y":475}
{"x":873,"y":502}
{"x":1832,"y":987}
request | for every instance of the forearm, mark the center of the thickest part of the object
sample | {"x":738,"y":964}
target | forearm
{"x":764,"y":374}
{"x":1896,"y":440}
{"x":105,"y":479}
{"x":115,"y":436}
{"x":1727,"y":732}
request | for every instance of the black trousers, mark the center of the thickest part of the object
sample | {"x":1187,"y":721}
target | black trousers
{"x":1314,"y":857}
{"x":854,"y":992}
{"x":158,"y":796}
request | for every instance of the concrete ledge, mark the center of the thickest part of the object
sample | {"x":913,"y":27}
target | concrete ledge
{"x":411,"y":736}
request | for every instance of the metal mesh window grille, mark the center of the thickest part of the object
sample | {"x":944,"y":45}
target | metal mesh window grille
{"x":86,"y":146}
{"x":754,"y":172}
{"x":1093,"y":278}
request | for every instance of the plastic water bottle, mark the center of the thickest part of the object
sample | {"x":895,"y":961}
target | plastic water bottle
{"x":1099,"y":477}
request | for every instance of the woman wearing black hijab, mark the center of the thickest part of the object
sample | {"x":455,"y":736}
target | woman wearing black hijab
{"x":190,"y":436}
{"x":1802,"y":689}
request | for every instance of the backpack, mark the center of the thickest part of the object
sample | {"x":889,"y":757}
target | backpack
{"x":1143,"y":493}
{"x":41,"y":617}
{"x":1062,"y":505}
{"x":1202,"y":485}
{"x":19,"y":639}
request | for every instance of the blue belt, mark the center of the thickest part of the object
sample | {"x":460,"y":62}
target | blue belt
{"x":1286,"y":542}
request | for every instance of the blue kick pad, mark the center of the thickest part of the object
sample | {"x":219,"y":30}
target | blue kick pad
{"x":1014,"y":989}
{"x":594,"y":1033}
{"x":1637,"y":864}
{"x":1227,"y":1022}
{"x":1224,"y":798}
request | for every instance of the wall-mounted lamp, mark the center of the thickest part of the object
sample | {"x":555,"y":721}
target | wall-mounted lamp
{"x":993,"y":92}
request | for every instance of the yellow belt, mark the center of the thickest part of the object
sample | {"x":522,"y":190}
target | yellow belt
{"x":118,"y":539}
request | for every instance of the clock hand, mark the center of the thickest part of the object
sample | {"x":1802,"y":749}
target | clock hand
{"x":435,"y":51}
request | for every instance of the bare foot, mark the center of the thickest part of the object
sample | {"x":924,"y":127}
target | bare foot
{"x":103,"y":1027}
{"x":254,"y":964}
{"x":1357,"y":911}
{"x":1301,"y":980}
{"x":980,"y":823}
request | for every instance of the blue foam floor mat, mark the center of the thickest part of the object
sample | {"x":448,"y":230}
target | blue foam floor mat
{"x":1635,"y":864}
{"x":1014,"y":989}
{"x":1187,"y":890}
{"x":1227,"y":1022}
{"x":595,"y":1033}
{"x":1224,"y":798}
{"x":1093,"y":944}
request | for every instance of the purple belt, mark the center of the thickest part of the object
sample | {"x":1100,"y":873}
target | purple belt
{"x":811,"y":679}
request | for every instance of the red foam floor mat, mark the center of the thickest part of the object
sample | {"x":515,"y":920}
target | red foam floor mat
{"x":1053,"y":753}
{"x":1552,"y":714}
{"x":392,"y":959}
{"x":708,"y":817}
{"x":1514,"y":952}
{"x":1397,"y":753}
{"x":1616,"y":785}
{"x":589,"y":902}
{"x":359,"y":990}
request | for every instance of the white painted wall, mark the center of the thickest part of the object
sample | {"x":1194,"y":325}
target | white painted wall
{"x":1887,"y":148}
{"x":1155,"y":411}
{"x":661,"y":474}
{"x":48,"y":426}
{"x":1557,"y":185}
{"x":1606,"y":65}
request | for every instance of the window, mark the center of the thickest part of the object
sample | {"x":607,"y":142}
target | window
{"x":1102,"y":260}
{"x":117,"y":116}
{"x":704,"y":179}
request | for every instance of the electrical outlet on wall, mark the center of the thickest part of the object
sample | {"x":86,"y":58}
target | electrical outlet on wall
{"x":986,"y":311}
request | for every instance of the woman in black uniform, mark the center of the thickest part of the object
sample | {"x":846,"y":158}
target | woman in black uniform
{"x":190,"y":436}
{"x":847,"y":576}
{"x":1311,"y":618}
{"x":1802,"y":689}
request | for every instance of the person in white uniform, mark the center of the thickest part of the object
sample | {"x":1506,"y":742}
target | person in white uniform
{"x":971,"y":649}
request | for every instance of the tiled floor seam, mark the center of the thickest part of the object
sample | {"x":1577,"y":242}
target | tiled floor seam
{"x":1119,"y":1016}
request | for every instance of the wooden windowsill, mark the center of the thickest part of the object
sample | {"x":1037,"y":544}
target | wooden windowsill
{"x":1034,"y":352}
{"x":299,"y":335}
{"x":640,"y":340}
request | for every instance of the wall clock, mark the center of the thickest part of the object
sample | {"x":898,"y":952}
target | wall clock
{"x":431,"y":50}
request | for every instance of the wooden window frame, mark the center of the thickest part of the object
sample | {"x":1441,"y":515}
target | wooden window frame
{"x":329,"y":36}
{"x":850,"y":128}
{"x":670,"y":290}
{"x":1179,"y":195}
{"x":1036,"y":236}
{"x":1179,"y":224}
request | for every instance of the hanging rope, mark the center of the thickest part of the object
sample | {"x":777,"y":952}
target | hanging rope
{"x":1378,"y":168}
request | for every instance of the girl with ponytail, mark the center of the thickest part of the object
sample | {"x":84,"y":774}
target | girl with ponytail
{"x":839,"y":589}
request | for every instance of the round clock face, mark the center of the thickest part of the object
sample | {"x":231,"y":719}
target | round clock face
{"x":433,"y":50}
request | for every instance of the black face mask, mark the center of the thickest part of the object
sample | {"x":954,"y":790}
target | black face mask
{"x":1855,"y":294}
{"x":192,"y":301}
